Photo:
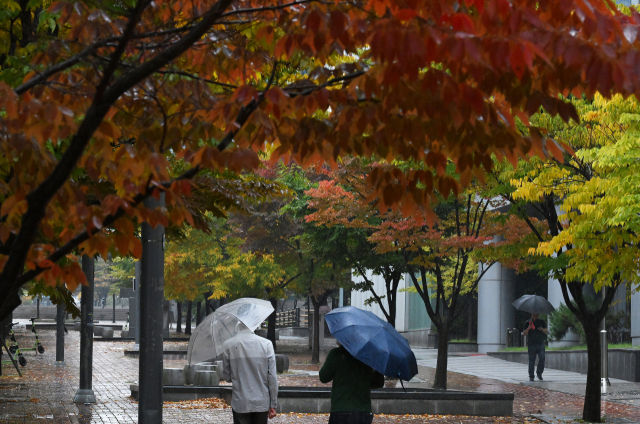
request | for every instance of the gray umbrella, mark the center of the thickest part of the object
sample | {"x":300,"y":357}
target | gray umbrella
{"x":533,"y":304}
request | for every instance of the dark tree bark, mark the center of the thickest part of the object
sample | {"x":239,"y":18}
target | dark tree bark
{"x":179,"y":318}
{"x":591,"y":321}
{"x":271,"y":323}
{"x":187,"y":324}
{"x":317,"y":301}
{"x":440,"y":381}
{"x":198,"y":313}
{"x":470,"y":315}
{"x":207,"y":304}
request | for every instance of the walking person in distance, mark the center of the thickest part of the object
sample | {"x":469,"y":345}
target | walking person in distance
{"x":536,"y":331}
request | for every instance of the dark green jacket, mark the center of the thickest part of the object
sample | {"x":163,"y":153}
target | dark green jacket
{"x":352,"y":381}
{"x":536,"y":336}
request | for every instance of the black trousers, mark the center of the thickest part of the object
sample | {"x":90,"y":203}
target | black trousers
{"x":536,"y":350}
{"x":251,"y":417}
{"x":350,"y":418}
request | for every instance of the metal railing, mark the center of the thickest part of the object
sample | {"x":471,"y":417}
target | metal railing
{"x":290,"y":318}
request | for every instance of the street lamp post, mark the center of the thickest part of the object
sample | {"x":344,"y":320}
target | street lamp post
{"x":85,"y":392}
{"x":60,"y":313}
{"x":151,"y":306}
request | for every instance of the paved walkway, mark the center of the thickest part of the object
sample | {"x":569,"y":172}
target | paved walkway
{"x":45,"y":393}
{"x":497,"y":369}
{"x":560,"y":394}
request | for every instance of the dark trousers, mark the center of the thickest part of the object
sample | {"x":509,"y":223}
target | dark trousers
{"x":536,"y":349}
{"x":251,"y":417}
{"x":350,"y":418}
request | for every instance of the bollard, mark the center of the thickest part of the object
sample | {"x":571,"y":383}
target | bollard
{"x":604,"y":361}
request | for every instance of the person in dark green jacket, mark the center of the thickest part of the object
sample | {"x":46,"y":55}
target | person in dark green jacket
{"x":351,"y":388}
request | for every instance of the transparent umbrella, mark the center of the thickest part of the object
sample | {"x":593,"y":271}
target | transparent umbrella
{"x":227,"y":321}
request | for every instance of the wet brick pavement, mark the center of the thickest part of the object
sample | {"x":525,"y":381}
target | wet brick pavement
{"x":45,"y":393}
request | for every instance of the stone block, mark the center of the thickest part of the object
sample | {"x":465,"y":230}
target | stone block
{"x":190,"y":371}
{"x":107,"y":332}
{"x":457,"y":407}
{"x":503,"y":408}
{"x":125,"y":333}
{"x":76,"y":325}
{"x":282,"y":363}
{"x":204,"y":378}
{"x":97,"y":331}
{"x":173,"y":377}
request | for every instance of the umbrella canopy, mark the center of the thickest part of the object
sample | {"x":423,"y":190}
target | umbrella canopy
{"x":242,"y":315}
{"x":533,"y":304}
{"x":373,"y":341}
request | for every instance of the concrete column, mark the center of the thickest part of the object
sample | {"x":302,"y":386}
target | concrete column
{"x":151,"y":300}
{"x":495,"y":312}
{"x":85,"y":391}
{"x":635,"y":318}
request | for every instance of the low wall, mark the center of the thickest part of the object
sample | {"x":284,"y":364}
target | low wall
{"x":463,"y":347}
{"x":317,"y":400}
{"x":418,"y":338}
{"x":99,"y":313}
{"x":624,"y":364}
{"x":294,"y":331}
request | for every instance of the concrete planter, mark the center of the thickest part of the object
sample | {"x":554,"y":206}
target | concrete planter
{"x":107,"y":332}
{"x":383,"y":401}
{"x":172,"y":377}
{"x":97,"y":331}
{"x":282,"y":363}
{"x":190,"y":371}
{"x":207,"y":378}
{"x":623,"y":363}
{"x":125,"y":333}
{"x":76,"y":325}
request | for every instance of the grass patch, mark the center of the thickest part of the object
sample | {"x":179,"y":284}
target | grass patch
{"x":579,"y":347}
{"x":461,"y":341}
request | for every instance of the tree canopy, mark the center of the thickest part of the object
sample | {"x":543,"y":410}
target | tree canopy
{"x":121,"y":100}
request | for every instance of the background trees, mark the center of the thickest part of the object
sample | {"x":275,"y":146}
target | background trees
{"x":445,"y":258}
{"x":117,"y":92}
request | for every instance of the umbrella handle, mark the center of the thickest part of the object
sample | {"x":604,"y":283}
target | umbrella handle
{"x":405,"y":390}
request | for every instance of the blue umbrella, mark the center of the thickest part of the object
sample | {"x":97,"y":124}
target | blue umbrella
{"x":373,"y":341}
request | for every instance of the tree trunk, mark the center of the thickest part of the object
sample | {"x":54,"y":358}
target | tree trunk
{"x":440,"y":381}
{"x":187,"y":324}
{"x":198,"y":313}
{"x":470,"y":320}
{"x":591,"y":410}
{"x":179,"y":318}
{"x":271,"y":323}
{"x":315,"y":352}
{"x":207,"y":304}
